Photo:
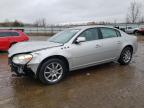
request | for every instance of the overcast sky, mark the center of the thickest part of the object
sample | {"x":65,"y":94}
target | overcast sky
{"x":61,"y":11}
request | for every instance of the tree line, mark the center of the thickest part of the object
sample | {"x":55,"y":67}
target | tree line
{"x":15,"y":23}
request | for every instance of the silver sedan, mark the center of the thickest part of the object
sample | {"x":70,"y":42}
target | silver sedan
{"x":72,"y":49}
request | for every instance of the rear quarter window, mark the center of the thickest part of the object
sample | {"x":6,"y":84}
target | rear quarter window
{"x":14,"y":34}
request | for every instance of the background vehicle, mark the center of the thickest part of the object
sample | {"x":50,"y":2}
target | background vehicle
{"x":132,"y":30}
{"x":141,"y":30}
{"x":10,"y":37}
{"x":71,"y":49}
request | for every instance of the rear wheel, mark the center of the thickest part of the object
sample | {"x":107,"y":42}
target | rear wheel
{"x":52,"y":71}
{"x":125,"y":56}
{"x":136,"y":32}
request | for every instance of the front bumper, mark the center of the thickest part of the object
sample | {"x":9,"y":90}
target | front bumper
{"x":20,"y":69}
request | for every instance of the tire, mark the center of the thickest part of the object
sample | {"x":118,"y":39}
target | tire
{"x":136,"y":32}
{"x":49,"y":75}
{"x":126,"y":56}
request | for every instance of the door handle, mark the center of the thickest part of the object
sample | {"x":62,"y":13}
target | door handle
{"x":118,"y":42}
{"x":97,"y":46}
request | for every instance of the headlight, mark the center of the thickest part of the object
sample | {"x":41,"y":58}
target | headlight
{"x":22,"y":58}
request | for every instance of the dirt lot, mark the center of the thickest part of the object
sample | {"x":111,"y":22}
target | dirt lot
{"x":105,"y":86}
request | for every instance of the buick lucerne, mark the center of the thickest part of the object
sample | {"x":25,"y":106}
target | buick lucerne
{"x":71,"y":49}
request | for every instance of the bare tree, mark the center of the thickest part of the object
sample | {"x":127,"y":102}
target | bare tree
{"x":44,"y":22}
{"x":141,"y":20}
{"x":134,"y":12}
{"x":40,"y":23}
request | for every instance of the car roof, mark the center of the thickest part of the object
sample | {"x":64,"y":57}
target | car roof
{"x":9,"y":31}
{"x":88,"y":27}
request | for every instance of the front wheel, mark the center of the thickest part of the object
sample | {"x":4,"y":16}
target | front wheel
{"x":125,"y":56}
{"x":52,"y":71}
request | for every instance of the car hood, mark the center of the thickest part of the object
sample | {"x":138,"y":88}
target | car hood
{"x":24,"y":47}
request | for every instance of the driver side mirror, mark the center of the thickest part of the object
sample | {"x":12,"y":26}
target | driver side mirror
{"x":80,"y":39}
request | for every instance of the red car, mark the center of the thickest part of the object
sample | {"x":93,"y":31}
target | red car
{"x":10,"y":37}
{"x":141,"y":30}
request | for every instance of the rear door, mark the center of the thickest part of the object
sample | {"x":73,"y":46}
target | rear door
{"x":111,"y":43}
{"x":4,"y":41}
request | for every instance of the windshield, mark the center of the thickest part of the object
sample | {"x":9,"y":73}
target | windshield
{"x":64,"y":36}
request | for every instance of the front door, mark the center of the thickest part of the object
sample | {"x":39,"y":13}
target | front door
{"x":86,"y":53}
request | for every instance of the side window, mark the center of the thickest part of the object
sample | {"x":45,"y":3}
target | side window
{"x":4,"y":34}
{"x":1,"y":34}
{"x":14,"y":34}
{"x":129,"y":27}
{"x":90,"y":34}
{"x":108,"y":33}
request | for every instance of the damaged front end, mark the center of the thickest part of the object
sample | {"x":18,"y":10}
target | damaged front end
{"x":20,"y":69}
{"x":23,"y":56}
